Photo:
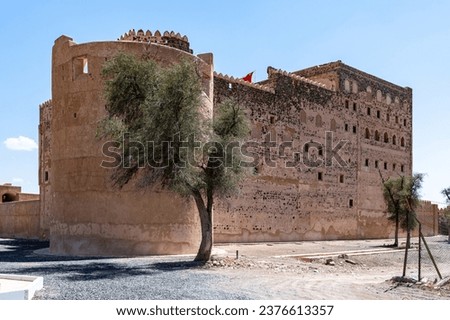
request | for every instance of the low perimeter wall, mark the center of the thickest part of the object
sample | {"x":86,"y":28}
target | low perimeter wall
{"x":20,"y":220}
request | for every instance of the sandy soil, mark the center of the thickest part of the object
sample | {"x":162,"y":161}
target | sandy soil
{"x":323,"y":270}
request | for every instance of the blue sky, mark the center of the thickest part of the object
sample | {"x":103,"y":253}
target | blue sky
{"x":405,"y":42}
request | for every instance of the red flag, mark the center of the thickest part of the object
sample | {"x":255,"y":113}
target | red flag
{"x":248,"y":77}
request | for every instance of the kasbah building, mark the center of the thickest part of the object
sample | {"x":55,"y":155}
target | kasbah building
{"x":82,"y":213}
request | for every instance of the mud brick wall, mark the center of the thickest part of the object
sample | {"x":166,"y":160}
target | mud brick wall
{"x":318,"y":198}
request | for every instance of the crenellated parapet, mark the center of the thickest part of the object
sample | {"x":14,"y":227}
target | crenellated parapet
{"x":45,"y":115}
{"x":46,"y":104}
{"x":170,"y":39}
{"x":232,"y":79}
{"x":271,"y":71}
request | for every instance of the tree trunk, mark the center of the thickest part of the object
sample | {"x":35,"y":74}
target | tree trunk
{"x":205,"y":214}
{"x":408,"y":231}
{"x":408,"y":239}
{"x":397,"y":223}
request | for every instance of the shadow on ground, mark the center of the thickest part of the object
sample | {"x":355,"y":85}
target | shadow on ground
{"x":18,"y":250}
{"x":81,"y":268}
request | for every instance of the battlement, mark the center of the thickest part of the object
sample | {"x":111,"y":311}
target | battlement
{"x":342,"y":67}
{"x":232,"y":79}
{"x":46,"y":104}
{"x":271,"y":71}
{"x":171,"y":39}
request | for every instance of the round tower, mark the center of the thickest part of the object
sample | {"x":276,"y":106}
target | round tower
{"x":88,"y":215}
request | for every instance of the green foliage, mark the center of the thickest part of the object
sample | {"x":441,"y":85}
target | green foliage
{"x":230,"y":126}
{"x":154,"y":107}
{"x":391,"y":196}
{"x":446,"y":193}
{"x":402,"y":198}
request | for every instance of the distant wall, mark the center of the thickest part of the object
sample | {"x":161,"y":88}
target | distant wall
{"x":444,"y":222}
{"x":428,"y":215}
{"x":27,"y":196}
{"x":20,"y":219}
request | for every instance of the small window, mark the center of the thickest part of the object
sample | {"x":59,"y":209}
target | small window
{"x":75,"y":115}
{"x":394,"y":166}
{"x":402,"y":142}
{"x":230,"y":86}
{"x":347,"y":85}
{"x":394,"y":140}
{"x":386,"y":137}
{"x":376,"y":164}
{"x":318,"y":121}
{"x":404,"y":122}
{"x":354,"y":129}
{"x":45,"y":176}
{"x":272,"y":119}
{"x":366,"y":163}
{"x":306,"y":147}
{"x":379,"y":95}
{"x":368,"y":111}
{"x":354,"y":106}
{"x":302,"y":116}
{"x":319,"y":176}
{"x":333,"y":125}
{"x":346,"y":127}
{"x":385,"y":166}
{"x":378,"y":114}
{"x":367,"y":135}
{"x":80,"y":66}
{"x":320,"y":151}
{"x":346,"y":103}
{"x":350,"y":203}
{"x":341,"y":178}
{"x":402,"y":168}
{"x":85,"y":66}
{"x":377,"y":135}
{"x":396,"y":119}
{"x":388,"y":98}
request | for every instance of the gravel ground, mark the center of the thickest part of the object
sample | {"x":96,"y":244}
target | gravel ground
{"x":147,"y":278}
{"x":263,"y":271}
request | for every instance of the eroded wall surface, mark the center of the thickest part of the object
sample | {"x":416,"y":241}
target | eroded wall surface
{"x":324,"y":195}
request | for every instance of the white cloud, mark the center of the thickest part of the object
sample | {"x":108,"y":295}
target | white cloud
{"x":18,"y":180}
{"x":21,"y":143}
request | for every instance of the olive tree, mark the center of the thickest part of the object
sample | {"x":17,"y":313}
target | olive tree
{"x":157,"y":119}
{"x":402,"y":198}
